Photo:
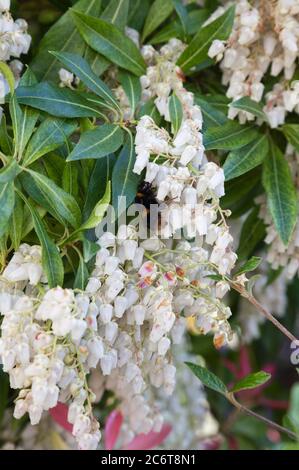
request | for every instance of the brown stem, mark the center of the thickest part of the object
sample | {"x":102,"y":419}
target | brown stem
{"x":263,"y":311}
{"x":247,"y":411}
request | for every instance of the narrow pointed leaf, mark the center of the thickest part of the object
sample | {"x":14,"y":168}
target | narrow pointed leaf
{"x":281,"y":193}
{"x":291,"y":132}
{"x":51,"y":260}
{"x":63,"y":36}
{"x":176,"y":113}
{"x":59,"y":102}
{"x":251,"y":381}
{"x":99,"y":210}
{"x":108,"y":40}
{"x":132,"y":89}
{"x":17,"y":118}
{"x":250,"y":106}
{"x":116,"y":13}
{"x":50,"y":196}
{"x":242,"y":160}
{"x":98,"y":142}
{"x":7,"y":201}
{"x":197,"y":51}
{"x":253,"y":232}
{"x":51,"y":134}
{"x":250,"y":265}
{"x":81,"y":275}
{"x":16,"y":223}
{"x":82,"y":69}
{"x":229,"y":136}
{"x":207,"y":377}
{"x":159,"y":12}
{"x":30,"y":115}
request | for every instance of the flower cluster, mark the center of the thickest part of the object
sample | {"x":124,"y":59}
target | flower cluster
{"x":265,"y":36}
{"x":280,"y":255}
{"x":14,"y":42}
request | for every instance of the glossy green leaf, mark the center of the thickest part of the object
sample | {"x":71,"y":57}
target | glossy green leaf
{"x":63,"y":36}
{"x":59,"y":102}
{"x":175,"y":113}
{"x":98,"y":142}
{"x":16,"y":223}
{"x":182,"y":14}
{"x":197,"y":51}
{"x":250,"y":106}
{"x":70,"y":179}
{"x":17,"y":118}
{"x":281,"y":193}
{"x":7,"y":202}
{"x":51,"y":134}
{"x":6,"y":143}
{"x":50,"y":196}
{"x":132,"y":89}
{"x":159,"y":12}
{"x":82,"y":275}
{"x":51,"y":260}
{"x":108,"y":40}
{"x":250,"y":265}
{"x":291,"y":132}
{"x":251,"y":381}
{"x":116,"y":13}
{"x":6,"y":71}
{"x":212,"y":117}
{"x":242,"y":160}
{"x":9,"y":172}
{"x":90,"y":249}
{"x":82,"y":70}
{"x":124,"y":181}
{"x":149,"y":109}
{"x":229,"y":136}
{"x":207,"y":377}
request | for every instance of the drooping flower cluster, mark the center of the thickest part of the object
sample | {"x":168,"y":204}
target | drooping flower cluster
{"x":265,"y":37}
{"x":15,"y":41}
{"x":48,"y":344}
{"x":278,"y":254}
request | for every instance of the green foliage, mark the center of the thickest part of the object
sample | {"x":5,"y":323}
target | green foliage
{"x":253,"y":380}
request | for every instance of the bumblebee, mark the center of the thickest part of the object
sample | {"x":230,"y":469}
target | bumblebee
{"x":146,"y":196}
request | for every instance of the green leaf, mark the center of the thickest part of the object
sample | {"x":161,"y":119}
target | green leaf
{"x":116,"y":13}
{"x":101,"y":174}
{"x":182,"y":14}
{"x":51,"y":260}
{"x":250,"y":265}
{"x":176,"y":113}
{"x":59,"y":102}
{"x":6,"y":71}
{"x":132,"y":89}
{"x":242,"y":160}
{"x":82,"y":275}
{"x":98,"y":142}
{"x":212,"y":117}
{"x":90,"y":249}
{"x":82,"y":69}
{"x":51,"y":134}
{"x":293,"y":411}
{"x":9,"y":172}
{"x":253,"y":380}
{"x":207,"y":377}
{"x":50,"y":196}
{"x":253,"y":232}
{"x":250,"y":106}
{"x":108,"y":40}
{"x":6,"y":143}
{"x":124,"y":181}
{"x":229,"y":136}
{"x":291,"y":132}
{"x":281,"y":193}
{"x":197,"y":51}
{"x":159,"y":12}
{"x":99,"y":210}
{"x":63,"y":36}
{"x":7,"y":202}
{"x":17,"y":118}
{"x":16,"y":223}
{"x":70,"y":179}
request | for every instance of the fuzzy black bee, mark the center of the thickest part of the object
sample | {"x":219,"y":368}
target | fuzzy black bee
{"x":146,"y":196}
